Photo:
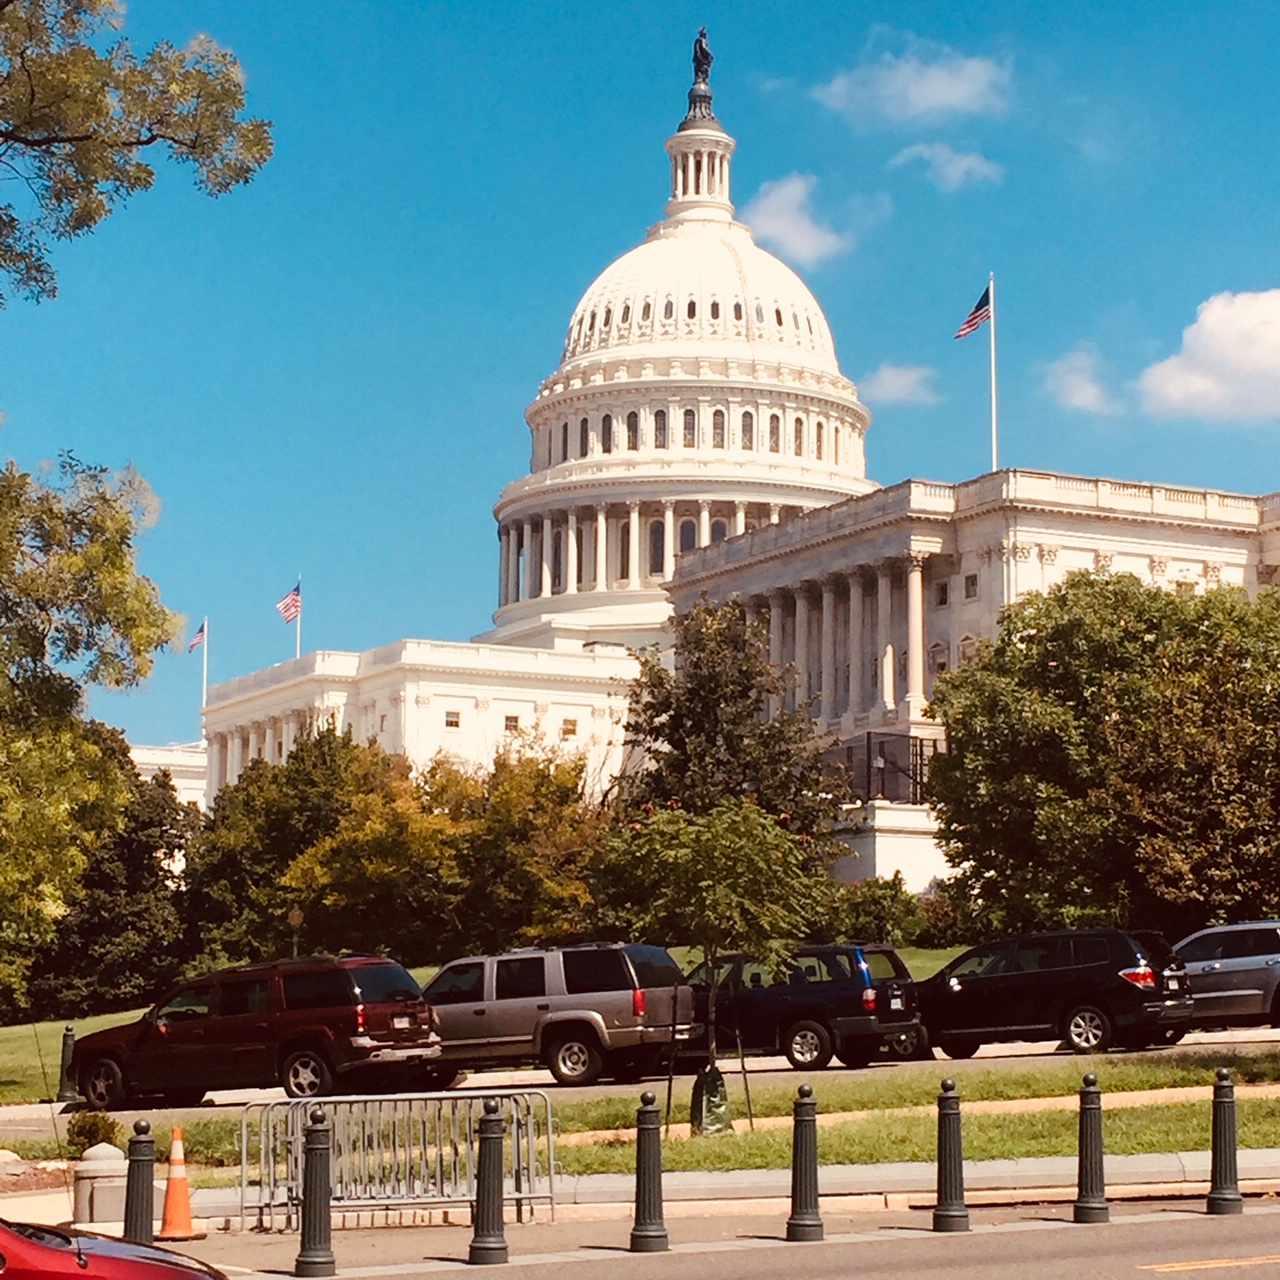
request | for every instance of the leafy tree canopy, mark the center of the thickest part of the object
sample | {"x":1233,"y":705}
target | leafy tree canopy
{"x":1113,"y":757}
{"x":81,"y":113}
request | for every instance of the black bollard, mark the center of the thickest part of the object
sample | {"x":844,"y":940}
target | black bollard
{"x":488,"y":1243}
{"x":950,"y":1213}
{"x":139,"y":1187}
{"x":1091,"y":1184}
{"x":316,"y":1255}
{"x":66,"y":1085}
{"x":805,"y":1222}
{"x":1224,"y":1180}
{"x":649,"y":1234}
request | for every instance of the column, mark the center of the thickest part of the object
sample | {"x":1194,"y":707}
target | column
{"x":774,"y":512}
{"x":828,"y":706}
{"x":739,"y":518}
{"x":290,"y":727}
{"x":215,"y":763}
{"x":704,"y":524}
{"x":544,"y":556}
{"x":668,"y":541}
{"x":857,"y":684}
{"x":571,"y":555}
{"x":235,"y":755}
{"x":633,"y":549}
{"x":602,"y":549}
{"x":503,"y":541}
{"x":513,"y":564}
{"x":887,"y":699}
{"x":526,"y":580}
{"x":269,"y":742}
{"x":775,"y":643}
{"x":802,"y":646}
{"x":255,"y":741}
{"x":915,"y":635}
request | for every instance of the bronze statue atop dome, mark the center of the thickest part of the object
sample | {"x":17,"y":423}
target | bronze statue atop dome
{"x":700,"y":114}
{"x":702,"y":58}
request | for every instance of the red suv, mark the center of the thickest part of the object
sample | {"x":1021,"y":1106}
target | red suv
{"x":300,"y":1023}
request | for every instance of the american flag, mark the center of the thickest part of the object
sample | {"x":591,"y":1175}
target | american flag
{"x":290,"y":605}
{"x":980,"y":314}
{"x":198,"y":639}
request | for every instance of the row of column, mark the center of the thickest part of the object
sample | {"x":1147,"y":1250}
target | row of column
{"x":865,"y":622}
{"x":271,"y":740}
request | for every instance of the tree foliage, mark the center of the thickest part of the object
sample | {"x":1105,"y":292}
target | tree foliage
{"x":699,"y":717}
{"x":877,"y":909}
{"x":81,"y":114}
{"x":1113,"y":757}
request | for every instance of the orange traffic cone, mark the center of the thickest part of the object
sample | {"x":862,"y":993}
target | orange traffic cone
{"x":175,"y":1224}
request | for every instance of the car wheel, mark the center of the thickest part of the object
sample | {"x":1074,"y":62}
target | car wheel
{"x":960,"y":1046}
{"x":1087,"y":1029}
{"x":575,"y":1059}
{"x":855,"y":1056}
{"x":306,"y":1074}
{"x":910,"y":1045}
{"x":102,"y":1085}
{"x":808,"y":1046}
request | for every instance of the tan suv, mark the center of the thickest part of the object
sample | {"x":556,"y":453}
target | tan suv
{"x":608,"y":1008}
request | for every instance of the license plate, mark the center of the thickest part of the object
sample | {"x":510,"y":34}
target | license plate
{"x":401,"y":1023}
{"x":895,"y":1002}
{"x":1173,"y":984}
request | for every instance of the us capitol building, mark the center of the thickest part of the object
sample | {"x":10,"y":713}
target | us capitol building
{"x":698,"y":438}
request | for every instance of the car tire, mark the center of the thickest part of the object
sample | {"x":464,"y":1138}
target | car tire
{"x":1087,"y":1029}
{"x":102,"y":1085}
{"x":306,"y":1074}
{"x":960,"y":1046}
{"x":808,"y":1046}
{"x":855,"y":1055}
{"x":911,"y":1045}
{"x":575,"y":1058}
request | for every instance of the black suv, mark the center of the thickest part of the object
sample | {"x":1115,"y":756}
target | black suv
{"x":1092,"y":988}
{"x":846,"y":1000}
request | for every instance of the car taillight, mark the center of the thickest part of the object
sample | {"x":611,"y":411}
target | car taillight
{"x":360,"y":1019}
{"x":869,"y":998}
{"x":1141,"y":976}
{"x":637,"y":1002}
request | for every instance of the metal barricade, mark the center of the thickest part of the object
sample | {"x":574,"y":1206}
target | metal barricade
{"x":395,"y":1151}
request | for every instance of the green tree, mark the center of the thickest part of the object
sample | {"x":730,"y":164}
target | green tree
{"x":1112,"y":757}
{"x":699,"y":719}
{"x":81,"y":113}
{"x":877,"y":909}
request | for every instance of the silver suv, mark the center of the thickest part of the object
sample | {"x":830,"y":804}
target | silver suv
{"x":1235,"y":972}
{"x":608,"y":1008}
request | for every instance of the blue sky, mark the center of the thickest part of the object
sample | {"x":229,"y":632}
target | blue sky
{"x":325,"y":372}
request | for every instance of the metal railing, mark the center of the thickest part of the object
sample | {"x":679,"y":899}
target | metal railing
{"x":394,"y":1151}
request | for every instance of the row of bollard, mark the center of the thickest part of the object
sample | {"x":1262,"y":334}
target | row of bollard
{"x":649,"y":1233}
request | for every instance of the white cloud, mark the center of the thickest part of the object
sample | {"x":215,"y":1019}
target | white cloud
{"x":900,"y":384}
{"x":948,"y":169}
{"x":1073,"y":381}
{"x":930,"y":82}
{"x":779,"y":215}
{"x":1229,"y":365}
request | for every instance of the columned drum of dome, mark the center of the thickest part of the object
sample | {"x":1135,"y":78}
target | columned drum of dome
{"x":656,"y":433}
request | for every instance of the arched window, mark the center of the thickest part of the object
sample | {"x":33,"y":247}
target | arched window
{"x":717,"y":429}
{"x":748,"y":429}
{"x":669,"y":310}
{"x":657,"y":548}
{"x":608,"y":317}
{"x":688,"y":535}
{"x":633,"y":431}
{"x":795,"y":320}
{"x":759,"y":313}
{"x":718,"y":530}
{"x":624,"y":551}
{"x":775,"y":433}
{"x":606,"y":433}
{"x":737,"y":311}
{"x":591,"y":324}
{"x":809,"y":321}
{"x":777,"y":315}
{"x":557,"y":561}
{"x":564,"y":442}
{"x":660,"y":429}
{"x":550,"y":444}
{"x":692,"y":309}
{"x":799,"y":437}
{"x":584,"y":438}
{"x":646,"y":313}
{"x":626,"y":313}
{"x":690,"y":428}
{"x":715,"y":311}
{"x":817,"y":441}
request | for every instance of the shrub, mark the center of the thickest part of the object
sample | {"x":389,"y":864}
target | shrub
{"x":86,"y":1129}
{"x":873,"y":910}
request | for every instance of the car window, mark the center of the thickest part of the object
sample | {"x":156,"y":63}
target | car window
{"x":317,"y":989}
{"x":984,"y":962}
{"x":1208,"y":946}
{"x":1038,"y":954}
{"x":590,"y":971}
{"x":757,"y":975}
{"x":522,"y":979}
{"x":653,"y":966}
{"x":1090,"y":949}
{"x":828,"y":967}
{"x":880,"y":965}
{"x":457,"y":984}
{"x":186,"y":1004}
{"x":243,"y":995}
{"x":1155,"y":949}
{"x":698,"y":976}
{"x":384,"y":984}
{"x":1249,"y":942}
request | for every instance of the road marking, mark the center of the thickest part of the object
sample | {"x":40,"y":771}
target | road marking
{"x":1210,"y":1264}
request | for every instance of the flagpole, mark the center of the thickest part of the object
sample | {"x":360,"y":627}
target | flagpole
{"x":995,"y":448}
{"x":297,"y":641}
{"x":204,"y":675}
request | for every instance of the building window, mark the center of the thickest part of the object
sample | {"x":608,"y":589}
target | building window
{"x":568,"y":729}
{"x":453,"y":719}
{"x":938,"y":659}
{"x":584,"y":438}
{"x":660,"y":429}
{"x":624,"y":551}
{"x":591,"y":324}
{"x":1184,"y":587}
{"x":737,"y":311}
{"x":511,"y":724}
{"x":382,"y":724}
{"x":759,"y":313}
{"x":817,"y":441}
{"x":690,"y":428}
{"x":688,"y":535}
{"x":669,"y":310}
{"x":715,"y":311}
{"x":748,"y":430}
{"x":941,"y":594}
{"x":608,"y":317}
{"x":799,"y":437}
{"x":775,"y":433}
{"x":578,"y":538}
{"x":626,"y":313}
{"x":564,"y":442}
{"x":717,"y":429}
{"x":719,"y":530}
{"x":777,"y":315}
{"x":795,"y":320}
{"x":633,"y":431}
{"x":692,"y":309}
{"x":657,"y":547}
{"x":557,"y":561}
{"x":970,"y":586}
{"x":968,"y":649}
{"x":606,"y":433}
{"x":644,"y":315}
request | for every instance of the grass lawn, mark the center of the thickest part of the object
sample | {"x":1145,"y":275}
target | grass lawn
{"x":22,"y":1077}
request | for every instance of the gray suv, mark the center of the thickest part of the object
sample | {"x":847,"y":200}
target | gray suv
{"x":607,"y":1008}
{"x":1235,"y":972}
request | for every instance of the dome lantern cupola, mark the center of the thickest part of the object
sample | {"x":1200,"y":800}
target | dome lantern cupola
{"x":700,"y":150}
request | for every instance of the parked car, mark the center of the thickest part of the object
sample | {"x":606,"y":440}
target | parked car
{"x":844,"y":1000}
{"x":28,"y":1252}
{"x":584,"y":1011}
{"x":1235,"y":973}
{"x":303,"y":1024}
{"x":1091,"y":988}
